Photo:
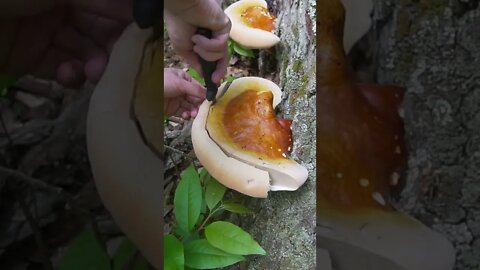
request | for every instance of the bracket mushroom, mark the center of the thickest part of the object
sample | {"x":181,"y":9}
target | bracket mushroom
{"x":124,"y":116}
{"x":360,"y":156}
{"x":252,"y":24}
{"x":241,"y":142}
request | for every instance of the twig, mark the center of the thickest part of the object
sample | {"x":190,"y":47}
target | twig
{"x":174,"y":149}
{"x":177,"y":172}
{"x":35,"y":183}
{"x":19,"y":176}
{"x":176,"y":119}
{"x":30,"y":127}
{"x":4,"y":127}
{"x":47,"y":264}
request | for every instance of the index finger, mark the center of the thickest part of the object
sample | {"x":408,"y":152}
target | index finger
{"x":19,"y":8}
{"x":113,"y":9}
{"x":193,"y":88}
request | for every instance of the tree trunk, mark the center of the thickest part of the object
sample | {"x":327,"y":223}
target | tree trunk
{"x":431,"y":48}
{"x":284,"y":223}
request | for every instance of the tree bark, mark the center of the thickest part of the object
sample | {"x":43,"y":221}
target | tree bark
{"x":284,"y":223}
{"x":431,"y":48}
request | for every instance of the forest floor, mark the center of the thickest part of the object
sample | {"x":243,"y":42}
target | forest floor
{"x":47,"y":193}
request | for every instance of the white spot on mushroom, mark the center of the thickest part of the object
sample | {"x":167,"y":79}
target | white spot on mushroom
{"x":364,"y":182}
{"x":279,"y":150}
{"x":283,"y":155}
{"x":394,"y":179}
{"x":339,"y":175}
{"x":289,"y":148}
{"x":398,"y":150}
{"x":379,"y":198}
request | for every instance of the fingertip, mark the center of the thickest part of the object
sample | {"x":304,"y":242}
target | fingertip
{"x":71,"y":73}
{"x":197,"y":38}
{"x":220,"y":72}
{"x":194,"y":113}
{"x":185,"y":115}
{"x":95,"y":67}
{"x":223,"y":37}
{"x":216,"y":78}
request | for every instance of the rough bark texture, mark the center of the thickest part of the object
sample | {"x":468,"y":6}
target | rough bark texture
{"x":284,"y":224}
{"x":432,"y":48}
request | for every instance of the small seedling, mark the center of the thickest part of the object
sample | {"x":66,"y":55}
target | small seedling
{"x":86,"y":252}
{"x":199,"y":241}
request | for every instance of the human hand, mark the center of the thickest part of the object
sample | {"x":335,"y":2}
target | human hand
{"x":66,"y":40}
{"x":182,"y":94}
{"x":182,"y":24}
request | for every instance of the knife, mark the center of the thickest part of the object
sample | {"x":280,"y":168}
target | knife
{"x":147,"y":13}
{"x":208,"y":67}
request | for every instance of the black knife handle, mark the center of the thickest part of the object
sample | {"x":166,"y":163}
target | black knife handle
{"x":208,"y":67}
{"x":147,"y":12}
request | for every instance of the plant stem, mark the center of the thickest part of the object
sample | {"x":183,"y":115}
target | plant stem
{"x":207,"y":218}
{"x":203,"y":223}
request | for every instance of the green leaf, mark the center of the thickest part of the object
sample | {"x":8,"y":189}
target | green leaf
{"x":242,"y":50}
{"x":128,"y":257}
{"x":230,"y":49}
{"x":141,"y":263}
{"x":194,"y":74}
{"x":203,"y":209}
{"x":214,"y":193}
{"x":202,"y":255}
{"x":172,"y":253}
{"x":232,"y":239}
{"x":180,"y":232}
{"x":188,"y":199}
{"x":202,"y":173}
{"x":207,"y":179}
{"x":202,"y":216}
{"x":5,"y":82}
{"x":85,"y":253}
{"x":123,"y":254}
{"x":236,"y":208}
{"x":230,"y":78}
